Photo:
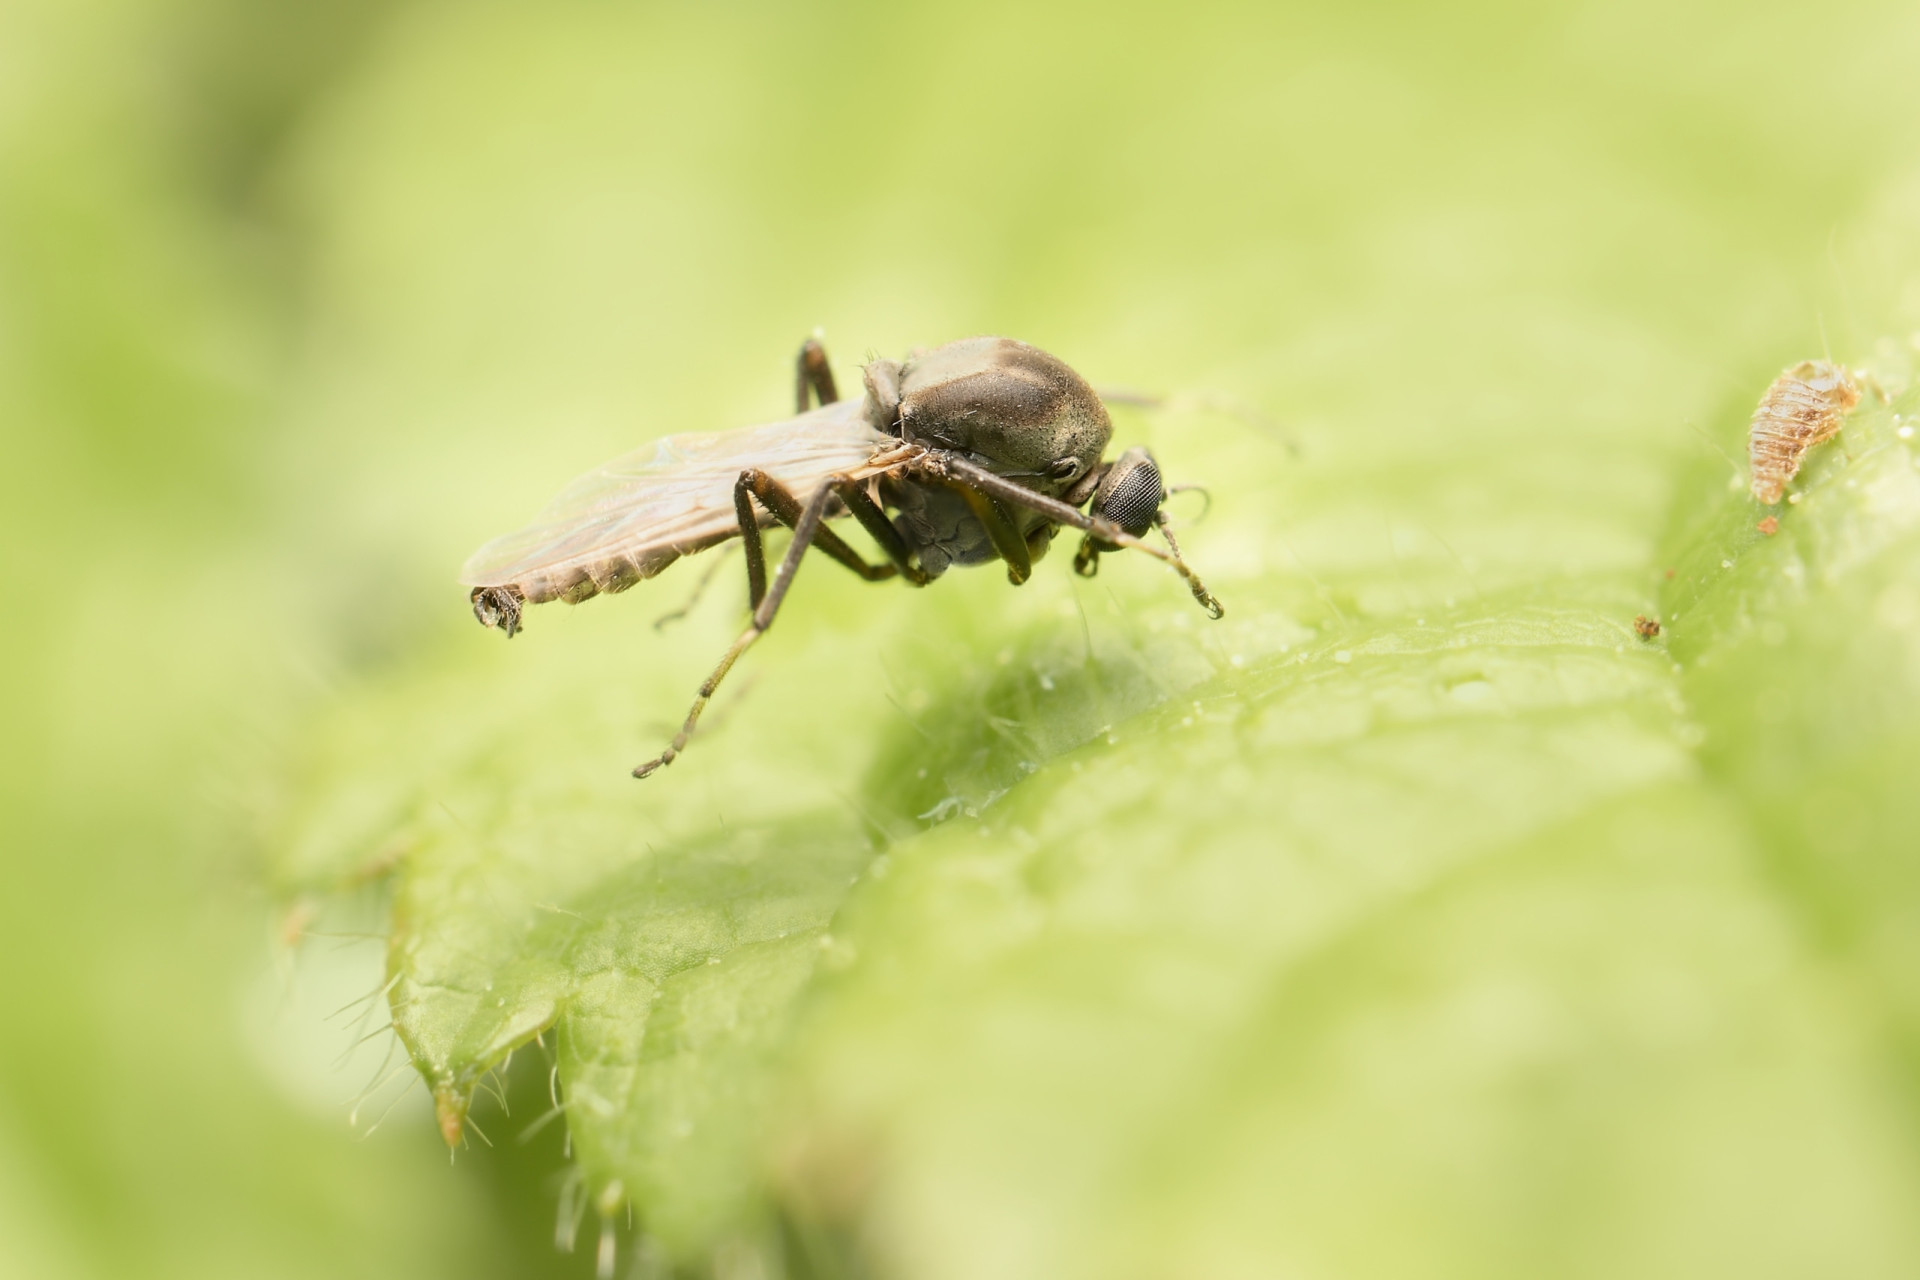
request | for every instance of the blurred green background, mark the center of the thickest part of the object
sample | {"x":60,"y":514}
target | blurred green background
{"x":1414,"y":921}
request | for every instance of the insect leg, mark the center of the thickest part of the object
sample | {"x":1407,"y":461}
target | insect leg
{"x":779,"y":500}
{"x":750,"y":535}
{"x":947,"y":466}
{"x":812,"y":373}
{"x":699,"y":590}
{"x":804,"y":531}
{"x":875,"y":522}
{"x":1001,"y":532}
{"x":1165,"y":525}
{"x":1086,"y":561}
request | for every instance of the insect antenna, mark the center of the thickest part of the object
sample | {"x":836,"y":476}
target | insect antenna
{"x":1220,"y":402}
{"x":1712,"y":444}
{"x":1206,"y":500}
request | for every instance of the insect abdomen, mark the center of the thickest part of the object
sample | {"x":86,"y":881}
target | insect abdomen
{"x":1804,"y":407}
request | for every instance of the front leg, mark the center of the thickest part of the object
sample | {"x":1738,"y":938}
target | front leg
{"x":953,"y":469}
{"x":1001,"y":532}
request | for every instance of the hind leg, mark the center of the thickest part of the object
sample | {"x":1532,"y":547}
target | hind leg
{"x":766,"y":607}
{"x":812,"y":373}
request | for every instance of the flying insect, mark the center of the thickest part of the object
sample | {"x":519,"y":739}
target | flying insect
{"x":981,"y":449}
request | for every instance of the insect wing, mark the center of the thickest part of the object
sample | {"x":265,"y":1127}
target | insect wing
{"x":636,"y":515}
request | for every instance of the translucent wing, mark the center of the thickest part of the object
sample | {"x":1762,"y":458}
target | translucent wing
{"x":636,"y":515}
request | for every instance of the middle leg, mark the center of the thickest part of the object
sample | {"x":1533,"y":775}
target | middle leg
{"x":755,"y":484}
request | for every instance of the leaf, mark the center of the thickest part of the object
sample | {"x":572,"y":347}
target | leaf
{"x":1419,"y":918}
{"x":1183,"y":928}
{"x":1801,"y":657}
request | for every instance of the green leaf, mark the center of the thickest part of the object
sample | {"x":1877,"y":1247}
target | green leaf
{"x":1419,"y":918}
{"x":1801,"y":658}
{"x":1154,"y":922}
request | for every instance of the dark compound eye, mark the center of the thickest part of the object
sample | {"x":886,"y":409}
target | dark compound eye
{"x":1130,"y":494}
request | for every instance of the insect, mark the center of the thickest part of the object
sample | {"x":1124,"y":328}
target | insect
{"x":982,"y":449}
{"x":1644,"y":627}
{"x":1804,"y":407}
